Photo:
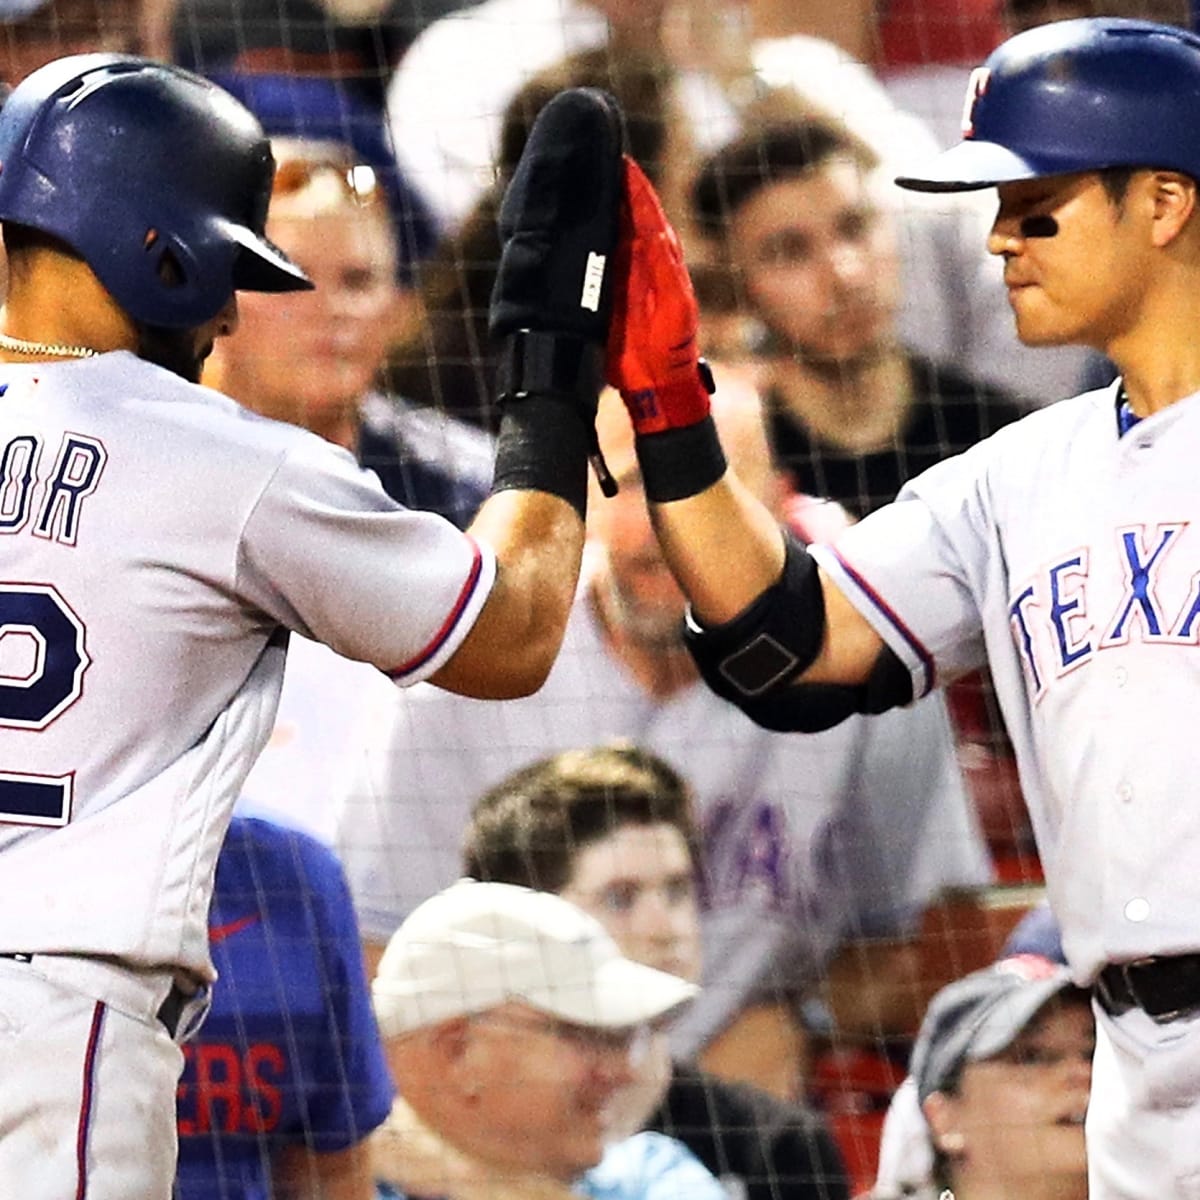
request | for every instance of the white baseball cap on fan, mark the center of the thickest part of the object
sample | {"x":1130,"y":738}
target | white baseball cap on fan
{"x":475,"y":946}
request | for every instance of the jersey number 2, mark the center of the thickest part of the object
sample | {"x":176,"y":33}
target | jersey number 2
{"x":42,"y":661}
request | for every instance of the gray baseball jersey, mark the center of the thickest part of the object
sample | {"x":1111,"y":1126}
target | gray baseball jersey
{"x":159,"y":540}
{"x":806,"y":840}
{"x":1066,"y":555}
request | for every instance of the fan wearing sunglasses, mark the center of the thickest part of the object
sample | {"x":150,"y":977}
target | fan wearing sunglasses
{"x":312,"y":359}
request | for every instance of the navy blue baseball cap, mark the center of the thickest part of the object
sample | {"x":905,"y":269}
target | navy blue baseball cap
{"x":1072,"y":96}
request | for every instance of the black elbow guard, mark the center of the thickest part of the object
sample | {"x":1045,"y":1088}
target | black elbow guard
{"x":754,"y":659}
{"x":769,"y":643}
{"x":812,"y":707}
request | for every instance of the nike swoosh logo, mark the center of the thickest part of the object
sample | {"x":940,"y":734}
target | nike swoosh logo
{"x":218,"y":933}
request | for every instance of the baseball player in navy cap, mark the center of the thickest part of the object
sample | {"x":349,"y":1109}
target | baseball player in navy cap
{"x":1064,"y":551}
{"x":160,"y":543}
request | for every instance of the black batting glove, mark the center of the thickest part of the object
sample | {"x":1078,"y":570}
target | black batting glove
{"x":552,"y":300}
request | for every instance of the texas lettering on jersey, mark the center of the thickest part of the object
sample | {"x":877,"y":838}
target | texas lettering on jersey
{"x":1058,"y":627}
{"x":759,"y":858}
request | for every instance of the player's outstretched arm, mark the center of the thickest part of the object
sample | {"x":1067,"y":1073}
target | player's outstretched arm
{"x":743,"y":575}
{"x":550,"y":311}
{"x":538,"y":540}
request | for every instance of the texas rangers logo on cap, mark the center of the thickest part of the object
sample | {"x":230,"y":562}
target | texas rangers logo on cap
{"x":1029,"y":967}
{"x":976,"y":86}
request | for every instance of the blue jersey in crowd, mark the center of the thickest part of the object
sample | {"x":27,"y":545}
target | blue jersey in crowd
{"x":290,"y":1053}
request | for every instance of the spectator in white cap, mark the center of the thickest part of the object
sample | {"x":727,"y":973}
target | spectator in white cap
{"x":994,"y":1103}
{"x":511,"y":1020}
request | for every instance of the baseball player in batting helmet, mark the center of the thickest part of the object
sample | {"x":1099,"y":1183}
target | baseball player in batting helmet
{"x":1063,"y":551}
{"x":175,"y":225}
{"x":161,"y":542}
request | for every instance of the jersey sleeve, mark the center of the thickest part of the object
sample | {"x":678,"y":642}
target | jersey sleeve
{"x":329,"y":555}
{"x":916,"y":568}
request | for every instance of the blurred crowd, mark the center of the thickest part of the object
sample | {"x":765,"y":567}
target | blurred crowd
{"x":793,"y":935}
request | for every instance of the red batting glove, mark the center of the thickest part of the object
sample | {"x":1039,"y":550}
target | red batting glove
{"x":652,"y":355}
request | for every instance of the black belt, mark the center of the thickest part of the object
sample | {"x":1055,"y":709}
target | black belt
{"x":1164,"y":988}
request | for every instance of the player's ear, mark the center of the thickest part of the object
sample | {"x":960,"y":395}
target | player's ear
{"x":1174,"y":198}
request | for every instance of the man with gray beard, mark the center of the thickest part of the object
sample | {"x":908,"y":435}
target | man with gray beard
{"x":802,"y":845}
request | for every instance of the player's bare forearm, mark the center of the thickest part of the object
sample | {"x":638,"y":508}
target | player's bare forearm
{"x":725,"y":548}
{"x":538,"y":540}
{"x":549,"y":319}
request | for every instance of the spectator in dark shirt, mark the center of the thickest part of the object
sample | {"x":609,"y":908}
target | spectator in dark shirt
{"x":813,"y":254}
{"x":312,"y":361}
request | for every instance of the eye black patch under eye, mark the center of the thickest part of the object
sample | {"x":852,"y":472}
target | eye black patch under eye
{"x":1039,"y":227}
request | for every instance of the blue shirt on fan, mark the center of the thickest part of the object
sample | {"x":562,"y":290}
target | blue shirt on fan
{"x":646,"y":1166}
{"x":290,"y":1053}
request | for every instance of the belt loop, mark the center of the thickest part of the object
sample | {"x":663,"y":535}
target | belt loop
{"x":1104,"y":995}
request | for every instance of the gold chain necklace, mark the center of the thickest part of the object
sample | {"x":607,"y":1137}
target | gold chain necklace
{"x":45,"y":349}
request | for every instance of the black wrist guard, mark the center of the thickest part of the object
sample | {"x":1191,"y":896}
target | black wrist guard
{"x":543,"y":446}
{"x":680,"y":462}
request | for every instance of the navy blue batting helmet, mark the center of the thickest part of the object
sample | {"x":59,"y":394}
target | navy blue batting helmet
{"x":157,"y":178}
{"x":1075,"y":96}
